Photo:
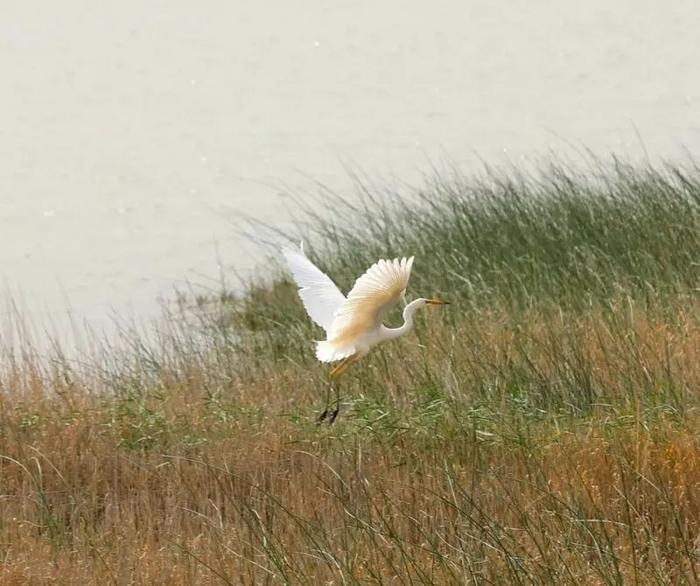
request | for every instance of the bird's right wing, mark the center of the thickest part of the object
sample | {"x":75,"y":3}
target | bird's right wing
{"x":319,"y":294}
{"x":370,"y":299}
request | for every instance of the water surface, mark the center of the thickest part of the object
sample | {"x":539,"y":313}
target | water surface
{"x":135,"y":135}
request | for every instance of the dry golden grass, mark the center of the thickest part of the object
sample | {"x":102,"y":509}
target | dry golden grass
{"x":551,"y":447}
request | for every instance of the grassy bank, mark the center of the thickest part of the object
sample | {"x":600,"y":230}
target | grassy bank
{"x":544,"y":429}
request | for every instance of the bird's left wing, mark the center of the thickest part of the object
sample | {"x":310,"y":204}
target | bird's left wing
{"x":319,"y":294}
{"x":371,"y":298}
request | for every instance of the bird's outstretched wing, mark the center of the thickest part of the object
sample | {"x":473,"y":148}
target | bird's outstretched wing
{"x":370,"y":299}
{"x":319,"y":294}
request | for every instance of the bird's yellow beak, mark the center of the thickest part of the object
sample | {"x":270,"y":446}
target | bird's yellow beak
{"x":437,"y":302}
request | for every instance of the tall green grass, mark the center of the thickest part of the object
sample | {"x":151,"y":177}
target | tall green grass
{"x":559,"y":239}
{"x":561,"y":235}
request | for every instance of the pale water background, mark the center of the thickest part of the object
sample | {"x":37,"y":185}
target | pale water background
{"x":135,"y":135}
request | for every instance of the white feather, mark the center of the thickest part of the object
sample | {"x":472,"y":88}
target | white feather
{"x":327,"y":352}
{"x":371,"y":298}
{"x":319,"y":294}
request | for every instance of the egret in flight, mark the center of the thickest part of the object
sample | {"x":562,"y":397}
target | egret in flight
{"x":354,"y":324}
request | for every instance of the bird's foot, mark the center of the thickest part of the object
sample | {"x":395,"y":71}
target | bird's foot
{"x":328,"y":416}
{"x":333,"y":414}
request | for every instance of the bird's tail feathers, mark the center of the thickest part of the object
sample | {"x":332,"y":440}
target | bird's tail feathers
{"x":327,"y":352}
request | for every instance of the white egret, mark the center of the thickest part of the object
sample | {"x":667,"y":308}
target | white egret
{"x":353,"y":325}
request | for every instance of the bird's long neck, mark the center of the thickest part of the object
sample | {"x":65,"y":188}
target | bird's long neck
{"x":408,"y":313}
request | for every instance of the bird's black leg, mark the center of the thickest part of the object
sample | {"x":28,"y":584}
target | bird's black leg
{"x":324,"y":413}
{"x":333,"y":414}
{"x":335,"y":375}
